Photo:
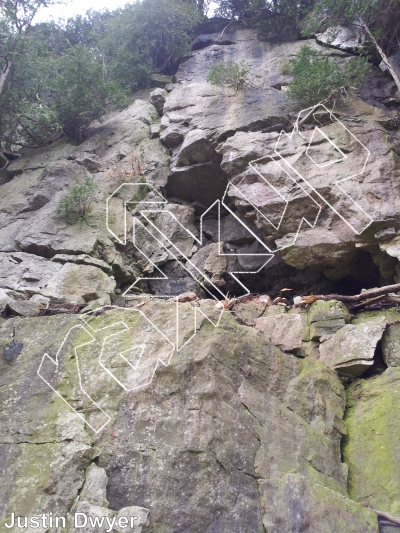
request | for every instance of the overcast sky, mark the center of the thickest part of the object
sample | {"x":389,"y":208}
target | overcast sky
{"x":77,"y":7}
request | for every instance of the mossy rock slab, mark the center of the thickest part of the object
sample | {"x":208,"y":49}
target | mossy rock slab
{"x":331,"y":310}
{"x":371,"y":446}
{"x":231,"y":416}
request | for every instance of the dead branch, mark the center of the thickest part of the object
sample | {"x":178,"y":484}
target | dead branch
{"x":371,"y":293}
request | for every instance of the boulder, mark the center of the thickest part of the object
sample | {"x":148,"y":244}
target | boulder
{"x":78,"y":284}
{"x":127,"y":520}
{"x":286,"y":330}
{"x":325,"y":318}
{"x":330,"y":310}
{"x":196,"y":148}
{"x":5,"y":297}
{"x":185,"y":297}
{"x":95,"y":487}
{"x":82,"y":259}
{"x":209,"y":261}
{"x":157,"y":98}
{"x":160,"y":80}
{"x":253,"y":308}
{"x":391,"y":345}
{"x":25,"y":273}
{"x":350,"y":351}
{"x":26,"y":308}
{"x":154,"y":131}
{"x":343,"y":38}
{"x":172,"y":137}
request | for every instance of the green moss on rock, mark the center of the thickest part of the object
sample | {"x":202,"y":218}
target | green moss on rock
{"x":371,"y":446}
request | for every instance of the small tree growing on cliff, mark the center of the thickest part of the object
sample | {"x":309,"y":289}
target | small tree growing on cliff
{"x":319,"y":79}
{"x":79,"y":200}
{"x":230,"y":76}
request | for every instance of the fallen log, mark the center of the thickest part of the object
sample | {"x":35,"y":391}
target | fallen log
{"x":386,"y":519}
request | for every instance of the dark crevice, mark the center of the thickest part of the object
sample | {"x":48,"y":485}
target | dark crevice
{"x":379,"y":366}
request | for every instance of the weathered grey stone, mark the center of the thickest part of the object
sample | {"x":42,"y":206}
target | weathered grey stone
{"x":392,"y":248}
{"x":27,"y":308}
{"x":90,"y":161}
{"x":5,"y":298}
{"x":79,"y":284}
{"x":160,"y":80}
{"x":84,"y":512}
{"x":309,"y":349}
{"x":94,"y":489}
{"x":29,"y":218}
{"x":203,"y":182}
{"x":142,"y":514}
{"x":157,"y":98}
{"x":295,"y":490}
{"x":185,"y":297}
{"x":234,"y":435}
{"x":251,"y":309}
{"x":172,"y":137}
{"x":26,"y":273}
{"x":154,"y":131}
{"x":230,"y":230}
{"x":343,"y":38}
{"x":82,"y":259}
{"x":38,"y":298}
{"x":351,"y":350}
{"x":214,"y":265}
{"x":321,"y":311}
{"x":391,"y":345}
{"x":325,"y":318}
{"x":323,"y":329}
{"x":286,"y":330}
{"x":196,"y":148}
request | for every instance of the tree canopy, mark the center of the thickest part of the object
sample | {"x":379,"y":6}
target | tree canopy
{"x":56,"y":78}
{"x":377,"y":20}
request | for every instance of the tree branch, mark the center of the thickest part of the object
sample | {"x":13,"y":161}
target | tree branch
{"x":2,"y":138}
{"x":384,"y":57}
{"x":366,"y":295}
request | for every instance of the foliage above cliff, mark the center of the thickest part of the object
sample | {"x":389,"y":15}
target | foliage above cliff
{"x":277,"y":18}
{"x":57,"y":78}
{"x":377,"y":21}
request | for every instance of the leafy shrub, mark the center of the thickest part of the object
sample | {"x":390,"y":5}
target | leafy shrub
{"x":80,"y":198}
{"x":229,"y":74}
{"x":317,"y":77}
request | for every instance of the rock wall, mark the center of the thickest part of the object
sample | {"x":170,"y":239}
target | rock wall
{"x":237,"y":421}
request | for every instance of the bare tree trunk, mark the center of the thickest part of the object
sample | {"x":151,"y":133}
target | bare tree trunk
{"x":4,"y":74}
{"x":384,"y":57}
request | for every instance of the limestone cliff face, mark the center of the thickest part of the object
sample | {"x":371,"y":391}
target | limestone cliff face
{"x":261,"y":418}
